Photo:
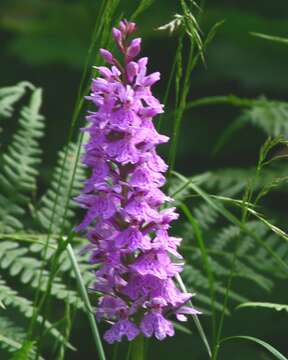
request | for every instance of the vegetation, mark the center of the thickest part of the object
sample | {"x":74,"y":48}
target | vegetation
{"x":232,"y":202}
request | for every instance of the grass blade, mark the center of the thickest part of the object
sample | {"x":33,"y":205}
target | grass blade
{"x":205,"y":259}
{"x":86,"y":301}
{"x":271,"y":38}
{"x":143,"y":5}
{"x":266,"y":305}
{"x":262,"y":343}
{"x":232,"y":218}
{"x":195,"y":318}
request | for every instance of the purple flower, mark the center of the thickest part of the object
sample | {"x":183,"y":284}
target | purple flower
{"x":107,"y":56}
{"x":166,"y":242}
{"x":132,"y":239}
{"x":133,"y":49}
{"x":156,"y":263}
{"x":185,"y":310}
{"x":110,"y":306}
{"x":155,"y":323}
{"x":136,"y":259}
{"x":120,"y":329}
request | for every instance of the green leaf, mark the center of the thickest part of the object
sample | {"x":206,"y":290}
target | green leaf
{"x":266,"y":305}
{"x":143,"y":5}
{"x":51,"y":206}
{"x":232,"y":218}
{"x":212,"y":32}
{"x":86,"y":301}
{"x":181,"y":328}
{"x":24,"y":352}
{"x":137,"y":348}
{"x":271,"y":38}
{"x":19,"y":163}
{"x":262,"y":343}
{"x":10,"y":95}
{"x":195,"y":317}
{"x":203,"y":250}
{"x":227,"y":134}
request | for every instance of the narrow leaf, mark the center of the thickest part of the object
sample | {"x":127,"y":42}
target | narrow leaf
{"x":262,"y":343}
{"x":271,"y":38}
{"x":266,"y":305}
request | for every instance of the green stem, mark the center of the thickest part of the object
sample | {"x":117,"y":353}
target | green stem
{"x":167,"y":91}
{"x":115,"y":351}
{"x":181,"y":108}
{"x":195,"y":318}
{"x":228,"y":100}
{"x":244,"y":218}
{"x":206,"y":261}
{"x":137,"y":349}
{"x":86,"y":301}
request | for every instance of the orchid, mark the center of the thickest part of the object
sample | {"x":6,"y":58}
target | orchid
{"x":125,"y":219}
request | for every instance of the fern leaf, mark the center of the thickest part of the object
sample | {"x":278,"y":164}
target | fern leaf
{"x":10,"y":95}
{"x":12,"y":338}
{"x":52,"y":203}
{"x":11,"y":299}
{"x":197,"y":283}
{"x":271,"y":117}
{"x":11,"y":334}
{"x":18,"y":166}
{"x":25,"y":352}
{"x":27,"y":268}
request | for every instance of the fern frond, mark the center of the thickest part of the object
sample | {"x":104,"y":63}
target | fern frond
{"x":231,"y":232}
{"x":19,"y":166}
{"x":271,"y":117}
{"x":26,"y":351}
{"x":10,"y":95}
{"x":65,"y":266}
{"x":246,"y":271}
{"x":231,"y":181}
{"x":52,"y":203}
{"x":221,"y":247}
{"x":16,"y":260}
{"x":252,"y":263}
{"x":11,"y":299}
{"x":197,"y":282}
{"x":205,"y":215}
{"x":11,"y":334}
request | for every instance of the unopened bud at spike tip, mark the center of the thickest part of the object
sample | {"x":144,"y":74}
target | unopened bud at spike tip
{"x":107,"y":56}
{"x":134,"y":48}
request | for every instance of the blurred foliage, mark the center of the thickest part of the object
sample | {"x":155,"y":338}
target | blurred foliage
{"x":43,"y":35}
{"x":46,"y":42}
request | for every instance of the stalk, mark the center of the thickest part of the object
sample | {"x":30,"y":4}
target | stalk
{"x":137,"y":349}
{"x":86,"y":301}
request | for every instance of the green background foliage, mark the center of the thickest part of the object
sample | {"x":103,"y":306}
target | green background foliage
{"x":242,"y":85}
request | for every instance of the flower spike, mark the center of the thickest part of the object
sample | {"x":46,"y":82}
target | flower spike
{"x":125,"y":222}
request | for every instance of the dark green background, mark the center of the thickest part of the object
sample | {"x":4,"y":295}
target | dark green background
{"x":46,"y":42}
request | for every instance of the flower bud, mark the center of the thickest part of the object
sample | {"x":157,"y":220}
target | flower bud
{"x":151,"y":79}
{"x":117,"y":36}
{"x":107,"y":56}
{"x":132,"y":70}
{"x":131,"y":27}
{"x":134,"y":48}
